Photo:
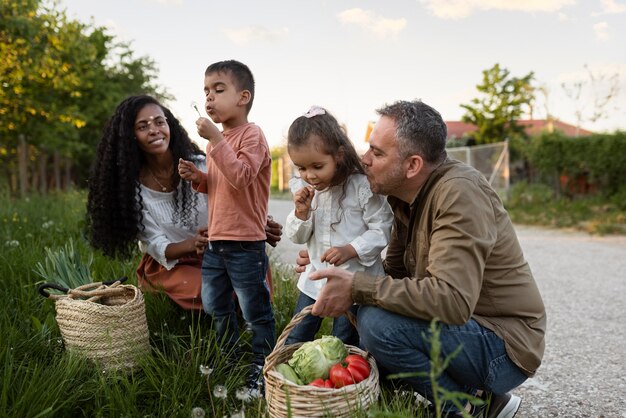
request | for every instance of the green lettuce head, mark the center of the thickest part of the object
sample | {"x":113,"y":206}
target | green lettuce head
{"x":314,"y":359}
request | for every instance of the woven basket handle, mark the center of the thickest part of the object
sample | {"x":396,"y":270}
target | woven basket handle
{"x":81,"y":290}
{"x":297,"y":319}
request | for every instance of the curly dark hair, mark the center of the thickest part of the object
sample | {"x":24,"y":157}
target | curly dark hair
{"x":114,"y":204}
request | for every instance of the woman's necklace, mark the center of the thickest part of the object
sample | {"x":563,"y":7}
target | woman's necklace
{"x":163,"y":188}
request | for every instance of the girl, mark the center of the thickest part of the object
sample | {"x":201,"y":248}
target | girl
{"x":336,"y":214}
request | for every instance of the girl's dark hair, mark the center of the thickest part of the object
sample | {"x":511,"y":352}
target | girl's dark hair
{"x":114,"y":204}
{"x":334,"y":141}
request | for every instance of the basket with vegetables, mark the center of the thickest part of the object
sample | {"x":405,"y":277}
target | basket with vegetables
{"x":318,"y":378}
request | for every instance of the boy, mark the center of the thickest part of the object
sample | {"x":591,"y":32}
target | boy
{"x":237,"y":183}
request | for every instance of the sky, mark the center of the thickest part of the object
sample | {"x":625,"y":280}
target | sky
{"x":352,"y":57}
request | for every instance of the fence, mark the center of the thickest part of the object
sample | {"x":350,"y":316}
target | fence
{"x":492,"y":160}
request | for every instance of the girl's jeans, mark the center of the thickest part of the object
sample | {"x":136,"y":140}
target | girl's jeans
{"x":240,"y":266}
{"x":398,"y":344}
{"x":306,"y":329}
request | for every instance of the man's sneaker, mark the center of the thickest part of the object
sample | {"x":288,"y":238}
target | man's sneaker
{"x":502,"y":406}
{"x":255,"y":382}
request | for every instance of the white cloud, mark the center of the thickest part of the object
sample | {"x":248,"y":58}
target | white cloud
{"x":246,"y":35}
{"x":168,"y":2}
{"x":381,"y":26}
{"x":563,"y":17}
{"x":457,"y":9}
{"x":601,"y":29}
{"x":610,"y":7}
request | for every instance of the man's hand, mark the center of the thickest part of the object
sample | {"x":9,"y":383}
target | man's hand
{"x":208,"y":130}
{"x":302,"y":261}
{"x":273,"y":231}
{"x":336,"y":296}
{"x":188,"y":171}
{"x":303,"y":198}
{"x":339,"y":255}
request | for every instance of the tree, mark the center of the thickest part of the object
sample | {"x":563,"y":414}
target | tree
{"x":598,"y":89}
{"x":503,"y":101}
{"x":59,"y":82}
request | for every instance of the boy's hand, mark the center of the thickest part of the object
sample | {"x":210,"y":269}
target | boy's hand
{"x":303,"y":198}
{"x":273,"y":231}
{"x":208,"y":130}
{"x":339,"y":255}
{"x":188,"y":171}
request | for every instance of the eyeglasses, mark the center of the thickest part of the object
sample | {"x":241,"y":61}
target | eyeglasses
{"x":144,"y":126}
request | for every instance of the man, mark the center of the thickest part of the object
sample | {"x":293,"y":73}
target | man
{"x":454,"y":256}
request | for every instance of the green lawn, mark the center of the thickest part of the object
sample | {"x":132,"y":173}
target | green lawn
{"x":41,"y":379}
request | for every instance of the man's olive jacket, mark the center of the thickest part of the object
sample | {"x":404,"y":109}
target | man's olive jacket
{"x":454,"y":255}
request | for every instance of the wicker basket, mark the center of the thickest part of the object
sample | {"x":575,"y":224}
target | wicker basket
{"x":106,"y":322}
{"x":286,"y":399}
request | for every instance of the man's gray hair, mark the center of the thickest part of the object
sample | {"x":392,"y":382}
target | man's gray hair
{"x":419,"y":129}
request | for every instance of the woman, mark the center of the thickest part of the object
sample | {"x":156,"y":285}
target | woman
{"x":135,"y":194}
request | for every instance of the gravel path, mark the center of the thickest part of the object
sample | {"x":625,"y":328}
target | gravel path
{"x":582,"y":280}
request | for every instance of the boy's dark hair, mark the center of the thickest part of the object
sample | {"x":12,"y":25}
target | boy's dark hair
{"x":241,"y":74}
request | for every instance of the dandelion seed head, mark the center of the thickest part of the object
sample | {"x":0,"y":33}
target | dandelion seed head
{"x":243,"y":394}
{"x":205,"y":370}
{"x":197,"y":412}
{"x":238,"y":414}
{"x":220,"y":391}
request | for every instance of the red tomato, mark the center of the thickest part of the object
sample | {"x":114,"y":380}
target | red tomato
{"x":321,"y":383}
{"x":358,"y":366}
{"x":352,"y":369}
{"x":340,"y":376}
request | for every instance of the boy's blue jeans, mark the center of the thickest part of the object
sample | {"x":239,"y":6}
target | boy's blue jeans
{"x":308,"y":327}
{"x":240,"y":266}
{"x":398,"y":345}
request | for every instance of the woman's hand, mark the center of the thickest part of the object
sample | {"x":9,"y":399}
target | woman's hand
{"x":339,"y":255}
{"x":188,"y":171}
{"x":273,"y":231}
{"x":303,"y":198}
{"x":201,"y":240}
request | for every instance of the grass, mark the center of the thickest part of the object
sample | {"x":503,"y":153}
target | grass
{"x":39,"y":378}
{"x":537,"y":205}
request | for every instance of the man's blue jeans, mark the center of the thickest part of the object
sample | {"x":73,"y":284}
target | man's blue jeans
{"x":310,"y":325}
{"x":240,"y":266}
{"x":398,"y":345}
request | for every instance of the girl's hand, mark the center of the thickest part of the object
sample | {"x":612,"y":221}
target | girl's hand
{"x":303,"y":198}
{"x":188,"y":171}
{"x":208,"y":130}
{"x":339,"y":255}
{"x":201,"y":239}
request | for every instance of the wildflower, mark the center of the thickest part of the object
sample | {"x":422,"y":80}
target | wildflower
{"x":239,"y":414}
{"x":205,"y":370}
{"x":243,"y":394}
{"x":197,"y":412}
{"x":12,"y":243}
{"x":220,"y":391}
{"x":47,"y":225}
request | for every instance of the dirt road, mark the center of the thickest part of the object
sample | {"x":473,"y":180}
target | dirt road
{"x":583,"y":283}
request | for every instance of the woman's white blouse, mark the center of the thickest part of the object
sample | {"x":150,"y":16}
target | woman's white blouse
{"x":159,"y":228}
{"x":359,"y":218}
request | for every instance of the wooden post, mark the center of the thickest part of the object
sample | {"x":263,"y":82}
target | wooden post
{"x":22,"y":160}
